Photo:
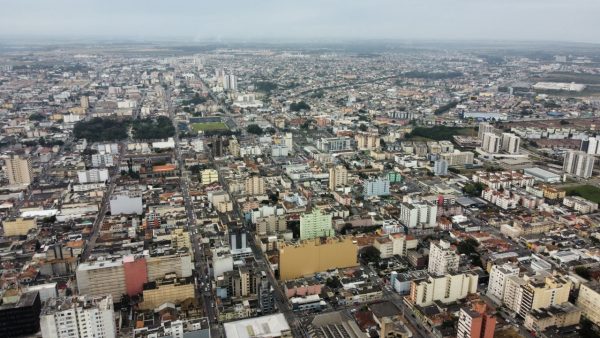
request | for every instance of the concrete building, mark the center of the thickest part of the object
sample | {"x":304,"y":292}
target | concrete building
{"x":588,"y":300}
{"x":458,"y":158}
{"x":497,"y":282}
{"x":316,"y":224}
{"x":443,"y":259}
{"x":78,"y":317}
{"x":93,"y":175}
{"x":593,"y":145}
{"x":421,"y":214}
{"x":367,"y":140}
{"x":580,"y":204}
{"x":18,"y":226}
{"x":271,"y":326}
{"x":511,"y":143}
{"x":578,"y":164}
{"x":230,"y":82}
{"x":491,"y":143}
{"x":126,"y":203}
{"x":18,"y":170}
{"x":254,"y":185}
{"x":271,"y":225}
{"x":542,"y":175}
{"x":315,"y":255}
{"x":446,"y":288}
{"x":335,"y":144}
{"x":484,"y":127}
{"x":376,"y":187}
{"x":19,"y":313}
{"x":103,"y":160}
{"x":535,"y":292}
{"x":338,"y":177}
{"x":476,"y":322}
{"x":168,"y":289}
{"x":101,"y":278}
{"x":560,"y":315}
{"x":208,"y":176}
{"x":440,"y":168}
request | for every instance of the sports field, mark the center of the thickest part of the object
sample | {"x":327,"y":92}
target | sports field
{"x":209,"y":126}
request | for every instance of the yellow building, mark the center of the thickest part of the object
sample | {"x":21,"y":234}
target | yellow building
{"x":18,"y":226}
{"x":552,"y":193}
{"x":180,"y":239}
{"x":170,"y":289}
{"x":315,"y":255}
{"x":208,"y":176}
{"x":446,"y":289}
{"x":589,"y":301}
{"x":18,"y":170}
{"x":561,"y":315}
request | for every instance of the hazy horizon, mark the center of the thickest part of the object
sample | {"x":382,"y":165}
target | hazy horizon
{"x":441,"y":20}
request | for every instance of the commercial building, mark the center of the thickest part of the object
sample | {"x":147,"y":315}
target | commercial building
{"x":18,"y":226}
{"x":588,"y":300}
{"x":272,"y":326}
{"x":422,"y":214}
{"x":335,"y":144}
{"x":20,"y":313}
{"x":316,"y":224}
{"x":168,"y":289}
{"x":542,"y":175}
{"x":446,"y":288}
{"x":579,"y":164}
{"x":18,"y":170}
{"x":126,"y":203}
{"x":92,"y":175}
{"x":103,"y":160}
{"x":78,"y":317}
{"x":376,"y":187}
{"x":338,"y":176}
{"x":315,"y":255}
{"x":443,"y":259}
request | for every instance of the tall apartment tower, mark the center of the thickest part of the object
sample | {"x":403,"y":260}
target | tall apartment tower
{"x":18,"y":170}
{"x":338,"y":176}
{"x":511,"y":143}
{"x":229,"y":82}
{"x":442,"y":259}
{"x":476,"y":322}
{"x":491,"y":143}
{"x":84,"y":102}
{"x":579,"y":164}
{"x":316,"y":224}
{"x":78,"y":317}
{"x":255,"y":185}
{"x":497,"y":283}
{"x":484,"y":127}
{"x":593,"y":145}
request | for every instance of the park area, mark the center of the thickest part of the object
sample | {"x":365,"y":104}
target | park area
{"x":587,"y":191}
{"x":209,"y":126}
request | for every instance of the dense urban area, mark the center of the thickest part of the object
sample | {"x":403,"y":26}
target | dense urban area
{"x":299,"y":191}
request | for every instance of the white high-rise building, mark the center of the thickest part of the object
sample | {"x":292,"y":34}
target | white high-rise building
{"x":229,"y":82}
{"x":491,"y":143}
{"x":442,"y":259}
{"x":484,"y":127}
{"x":511,"y":143}
{"x":578,"y":163}
{"x":338,"y":176}
{"x":413,"y":215}
{"x":497,"y":283}
{"x":78,"y":317}
{"x":594,"y":145}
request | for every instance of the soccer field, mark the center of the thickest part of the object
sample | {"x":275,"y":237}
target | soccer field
{"x":208,"y":126}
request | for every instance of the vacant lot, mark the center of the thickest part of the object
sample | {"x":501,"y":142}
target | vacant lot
{"x":589,"y":192}
{"x":209,"y":126}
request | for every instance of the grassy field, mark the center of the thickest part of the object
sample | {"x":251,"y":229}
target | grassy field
{"x":440,"y":133}
{"x":589,"y":192}
{"x":209,"y":126}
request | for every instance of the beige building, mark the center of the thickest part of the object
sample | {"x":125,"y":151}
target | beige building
{"x":446,"y":289}
{"x":338,"y":176}
{"x":180,"y":239}
{"x":367,"y":140}
{"x":169,"y":289}
{"x":315,"y":255}
{"x":523,"y":294}
{"x":561,"y":315}
{"x":589,"y":301}
{"x":255,"y":185}
{"x":159,"y":266}
{"x":18,"y":226}
{"x":101,"y":278}
{"x":208,"y":176}
{"x":18,"y":170}
{"x":271,"y":224}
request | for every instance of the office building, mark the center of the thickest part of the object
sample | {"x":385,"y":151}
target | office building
{"x":19,"y":313}
{"x":316,"y":255}
{"x":491,"y":143}
{"x":443,"y":259}
{"x":335,"y":144}
{"x":254,"y":185}
{"x":484,"y":128}
{"x":316,"y":224}
{"x":497,"y":282}
{"x":445,"y":288}
{"x":78,"y":317}
{"x":377,"y":186}
{"x":578,"y":164}
{"x":476,"y":322}
{"x":338,"y":177}
{"x":510,"y":143}
{"x":421,"y":214}
{"x":18,"y":170}
{"x":588,"y":301}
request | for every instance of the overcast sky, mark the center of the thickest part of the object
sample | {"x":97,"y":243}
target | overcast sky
{"x":550,"y":20}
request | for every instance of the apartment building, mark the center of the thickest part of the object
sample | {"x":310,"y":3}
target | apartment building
{"x":78,"y":317}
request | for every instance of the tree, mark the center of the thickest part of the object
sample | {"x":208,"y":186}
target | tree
{"x":467,"y":247}
{"x":370,"y":254}
{"x":474,"y":189}
{"x":101,"y":129}
{"x":254,"y":129}
{"x":298,"y":106}
{"x":363,"y":127}
{"x":149,"y":129}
